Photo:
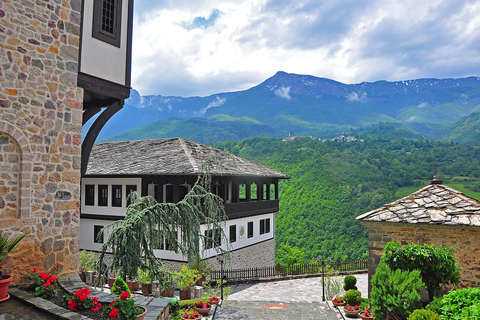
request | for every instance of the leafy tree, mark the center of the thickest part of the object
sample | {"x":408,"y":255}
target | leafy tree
{"x":461,"y":304}
{"x":289,"y":256}
{"x":147,"y":224}
{"x":395,"y":294}
{"x":437,"y":265}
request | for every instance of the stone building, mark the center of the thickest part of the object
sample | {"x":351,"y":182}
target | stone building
{"x":166,"y":169}
{"x":50,"y":54}
{"x":435,"y":214}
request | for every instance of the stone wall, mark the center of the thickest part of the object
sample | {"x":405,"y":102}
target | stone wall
{"x":40,"y":132}
{"x":255,"y":256}
{"x":464,"y":241}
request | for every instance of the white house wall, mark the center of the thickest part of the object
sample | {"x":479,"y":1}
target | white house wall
{"x":101,"y":59}
{"x":108,"y":210}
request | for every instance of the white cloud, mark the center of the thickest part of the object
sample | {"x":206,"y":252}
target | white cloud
{"x":284,"y":93}
{"x":204,"y":47}
{"x":218,"y":102}
{"x":355,"y":97}
{"x":422,"y":105}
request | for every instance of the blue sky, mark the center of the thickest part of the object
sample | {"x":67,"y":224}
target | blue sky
{"x":198,"y":48}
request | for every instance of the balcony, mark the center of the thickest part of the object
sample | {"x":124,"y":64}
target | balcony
{"x":242,"y":209}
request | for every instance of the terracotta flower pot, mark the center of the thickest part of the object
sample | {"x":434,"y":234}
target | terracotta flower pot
{"x":142,"y":315}
{"x":168,"y":292}
{"x":185,"y":294}
{"x":351,"y":313}
{"x":132,"y":285}
{"x":4,"y":284}
{"x":203,"y":312}
{"x":338,"y":304}
{"x":213,"y":301}
{"x":146,"y":288}
{"x":111,"y":281}
{"x":82,"y":276}
{"x":364,"y":317}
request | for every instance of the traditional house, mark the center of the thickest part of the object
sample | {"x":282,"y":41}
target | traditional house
{"x":435,"y":214}
{"x":59,"y":59}
{"x":166,"y":169}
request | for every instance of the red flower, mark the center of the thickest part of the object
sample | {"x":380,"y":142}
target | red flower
{"x":53,"y":278}
{"x":72,"y":305}
{"x":97,"y":307}
{"x":35,"y":269}
{"x":113,"y":314}
{"x":47,"y":284}
{"x":44,"y":276}
{"x":124,"y":295}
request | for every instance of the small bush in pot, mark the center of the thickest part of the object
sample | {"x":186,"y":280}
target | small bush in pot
{"x":350,"y":283}
{"x":353,"y":297}
{"x":119,"y":286}
{"x":422,"y":314}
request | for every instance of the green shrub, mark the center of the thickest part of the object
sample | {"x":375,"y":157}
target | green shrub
{"x":119,"y":286}
{"x":437,"y":265}
{"x":422,"y":314}
{"x":350,"y":283}
{"x":174,"y":306}
{"x":435,"y":305}
{"x":395,"y":294}
{"x":461,"y":304}
{"x":353,"y":297}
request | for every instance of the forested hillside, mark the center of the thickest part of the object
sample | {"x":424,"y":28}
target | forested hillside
{"x":334,"y":182}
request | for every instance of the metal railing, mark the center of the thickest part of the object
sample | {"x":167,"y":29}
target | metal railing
{"x":286,"y":271}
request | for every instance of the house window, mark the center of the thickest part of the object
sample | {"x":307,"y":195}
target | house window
{"x":130,"y":190}
{"x":117,"y":196}
{"x":183,"y":191}
{"x":96,"y":232}
{"x":264,"y":226}
{"x":103,"y":195}
{"x":242,"y":192}
{"x":213,"y":239}
{"x":107,"y":21}
{"x":253,"y":192}
{"x":89,"y":195}
{"x":250,"y":229}
{"x":233,"y":233}
{"x":272,"y":191}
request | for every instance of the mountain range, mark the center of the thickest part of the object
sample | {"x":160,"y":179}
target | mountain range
{"x":440,"y":109}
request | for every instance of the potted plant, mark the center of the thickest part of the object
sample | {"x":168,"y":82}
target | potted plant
{"x":337,"y":302}
{"x":351,"y":311}
{"x":87,"y":264}
{"x":366,"y":314}
{"x":145,"y":280}
{"x":185,"y":280}
{"x":213,"y":300}
{"x":203,"y":308}
{"x":202,"y":268}
{"x":124,"y":309}
{"x":6,"y":246}
{"x":167,"y":285}
{"x":191,"y":315}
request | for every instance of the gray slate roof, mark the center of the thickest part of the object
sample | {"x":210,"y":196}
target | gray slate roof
{"x":172,"y":156}
{"x":433,"y":204}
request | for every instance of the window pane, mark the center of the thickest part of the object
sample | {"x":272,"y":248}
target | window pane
{"x":250,"y":229}
{"x":117,"y":196}
{"x":96,"y":231}
{"x":267,"y":225}
{"x":103,"y":195}
{"x":262,"y":226}
{"x":89,"y":195}
{"x":233,"y":233}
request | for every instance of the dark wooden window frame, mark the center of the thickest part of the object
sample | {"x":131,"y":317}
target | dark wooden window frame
{"x":117,"y":201}
{"x":130,"y":189}
{"x":102,"y":196}
{"x":89,"y":194}
{"x":96,"y":231}
{"x":100,"y":16}
{"x":250,"y":229}
{"x":233,"y":233}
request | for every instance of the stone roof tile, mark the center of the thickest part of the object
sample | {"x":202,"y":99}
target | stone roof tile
{"x":433,"y":204}
{"x":172,"y":156}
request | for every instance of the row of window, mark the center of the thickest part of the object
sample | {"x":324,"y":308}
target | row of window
{"x":213,"y":238}
{"x":102,"y":194}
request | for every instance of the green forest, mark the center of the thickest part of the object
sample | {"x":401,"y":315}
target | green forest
{"x":334,"y":182}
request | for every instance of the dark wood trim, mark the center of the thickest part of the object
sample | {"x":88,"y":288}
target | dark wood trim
{"x":89,"y":113}
{"x":128,"y":69}
{"x":111,"y":38}
{"x":100,"y":217}
{"x":101,"y":92}
{"x":94,"y":130}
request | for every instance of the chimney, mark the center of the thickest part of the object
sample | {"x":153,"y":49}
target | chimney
{"x":436,"y":181}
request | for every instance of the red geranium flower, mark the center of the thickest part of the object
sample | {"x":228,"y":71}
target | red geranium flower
{"x":124,"y":295}
{"x":113,"y":313}
{"x":35,"y":269}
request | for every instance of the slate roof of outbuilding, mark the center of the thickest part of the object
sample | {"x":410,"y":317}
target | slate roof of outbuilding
{"x":433,"y":204}
{"x":172,"y":156}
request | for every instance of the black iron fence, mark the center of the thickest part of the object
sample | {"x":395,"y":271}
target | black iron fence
{"x":286,"y":271}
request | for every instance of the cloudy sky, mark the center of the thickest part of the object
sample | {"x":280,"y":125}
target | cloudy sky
{"x":201,"y":47}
